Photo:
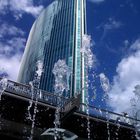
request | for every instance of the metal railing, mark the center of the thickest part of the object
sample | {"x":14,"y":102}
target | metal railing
{"x":107,"y":115}
{"x":23,"y":90}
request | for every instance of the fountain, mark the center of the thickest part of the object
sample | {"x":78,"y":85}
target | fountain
{"x":64,"y":134}
{"x":135,"y":110}
{"x":31,"y":101}
{"x":88,"y":56}
{"x":105,"y":86}
{"x":86,"y":51}
{"x":118,"y":127}
{"x":137,"y":127}
{"x":3,"y":85}
{"x":34,"y":96}
{"x":61,"y":72}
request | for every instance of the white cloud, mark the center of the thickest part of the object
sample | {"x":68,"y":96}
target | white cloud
{"x":12,"y":46}
{"x":128,"y":76}
{"x":11,"y":50}
{"x":10,"y":66}
{"x":3,"y":6}
{"x":12,"y":39}
{"x":126,"y":43}
{"x":136,"y":45}
{"x":108,"y":26}
{"x":97,"y":1}
{"x":10,"y":30}
{"x":19,"y":7}
{"x":112,"y":24}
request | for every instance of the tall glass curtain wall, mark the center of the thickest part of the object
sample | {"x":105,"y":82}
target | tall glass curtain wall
{"x":61,"y":42}
{"x":39,"y":36}
{"x":55,"y":35}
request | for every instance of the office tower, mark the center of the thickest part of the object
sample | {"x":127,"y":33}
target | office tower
{"x":57,"y":34}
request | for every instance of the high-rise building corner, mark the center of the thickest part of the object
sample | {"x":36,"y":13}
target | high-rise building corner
{"x":57,"y":34}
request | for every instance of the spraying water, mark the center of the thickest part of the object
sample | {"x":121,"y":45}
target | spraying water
{"x":135,"y":103}
{"x":34,"y":95}
{"x":137,"y":92}
{"x":61,"y":72}
{"x":89,"y":60}
{"x":104,"y":81}
{"x":86,"y":50}
{"x":3,"y":85}
{"x":118,"y":127}
{"x":31,"y":101}
{"x":105,"y":85}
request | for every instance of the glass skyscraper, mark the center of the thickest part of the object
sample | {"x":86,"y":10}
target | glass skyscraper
{"x":57,"y":34}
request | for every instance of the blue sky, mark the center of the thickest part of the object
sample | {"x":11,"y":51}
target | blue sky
{"x":114,"y":28}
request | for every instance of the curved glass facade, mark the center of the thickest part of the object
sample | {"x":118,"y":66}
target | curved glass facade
{"x":56,"y":34}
